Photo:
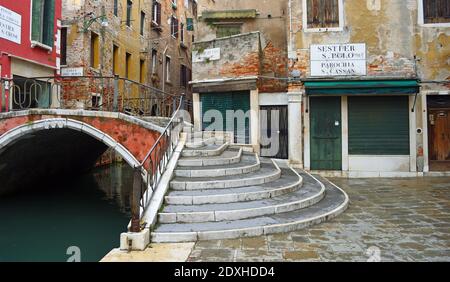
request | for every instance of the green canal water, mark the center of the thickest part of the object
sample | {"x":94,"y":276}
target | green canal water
{"x":88,"y":212}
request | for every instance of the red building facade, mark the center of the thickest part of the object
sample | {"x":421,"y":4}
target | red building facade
{"x":29,"y":47}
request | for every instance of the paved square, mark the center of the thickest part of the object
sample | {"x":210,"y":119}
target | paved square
{"x":388,"y":220}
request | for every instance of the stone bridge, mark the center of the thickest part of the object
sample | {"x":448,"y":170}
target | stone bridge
{"x":38,"y":143}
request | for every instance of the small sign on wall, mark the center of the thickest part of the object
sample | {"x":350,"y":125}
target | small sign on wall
{"x":338,"y":60}
{"x":206,"y":55}
{"x":72,"y":71}
{"x":10,"y":25}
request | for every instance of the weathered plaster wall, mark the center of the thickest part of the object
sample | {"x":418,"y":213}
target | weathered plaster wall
{"x":388,"y":27}
{"x":240,"y":56}
{"x":270,"y":22}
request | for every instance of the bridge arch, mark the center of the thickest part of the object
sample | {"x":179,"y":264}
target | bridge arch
{"x":66,"y":123}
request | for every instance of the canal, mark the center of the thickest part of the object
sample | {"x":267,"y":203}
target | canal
{"x":51,"y":220}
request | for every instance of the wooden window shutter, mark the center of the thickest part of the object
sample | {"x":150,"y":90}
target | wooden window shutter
{"x":49,"y":23}
{"x":177,"y":28}
{"x":158,"y":14}
{"x":322,"y":13}
{"x":36,"y":21}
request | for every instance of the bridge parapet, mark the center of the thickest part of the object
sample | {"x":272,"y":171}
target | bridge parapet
{"x":96,"y":93}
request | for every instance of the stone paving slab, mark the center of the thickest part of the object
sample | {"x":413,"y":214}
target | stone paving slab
{"x":388,"y":220}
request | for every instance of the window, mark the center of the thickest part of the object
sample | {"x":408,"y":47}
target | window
{"x":154,"y":61}
{"x":142,"y":71}
{"x":183,"y":76}
{"x":43,"y":22}
{"x":116,"y":8}
{"x":95,"y":51}
{"x":224,"y":30}
{"x":174,"y":27}
{"x":323,"y":15}
{"x":156,"y":15}
{"x":129,"y":9}
{"x":435,"y":11}
{"x":142,"y":22}
{"x":115,"y":59}
{"x":182,"y":32}
{"x":168,"y":69}
{"x":64,"y":46}
{"x":127,"y":65}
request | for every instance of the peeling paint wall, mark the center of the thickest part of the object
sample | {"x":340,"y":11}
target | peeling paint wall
{"x":393,"y":36}
{"x":271,"y":61}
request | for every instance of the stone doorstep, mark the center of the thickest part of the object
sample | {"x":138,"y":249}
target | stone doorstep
{"x":232,"y":198}
{"x":173,"y":252}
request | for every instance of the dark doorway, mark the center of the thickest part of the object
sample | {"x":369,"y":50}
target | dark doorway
{"x":274,"y":127}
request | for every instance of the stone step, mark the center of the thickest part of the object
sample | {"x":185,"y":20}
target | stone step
{"x":205,"y":151}
{"x":229,"y":156}
{"x":268,"y":172}
{"x":334,"y":203}
{"x":305,"y":197}
{"x":249,"y":163}
{"x":196,"y":144}
{"x":289,"y":182}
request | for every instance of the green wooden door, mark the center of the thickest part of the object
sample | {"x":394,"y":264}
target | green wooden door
{"x":224,"y":102}
{"x":326,"y":133}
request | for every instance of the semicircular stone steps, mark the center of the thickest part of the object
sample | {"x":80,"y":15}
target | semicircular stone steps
{"x":231,"y":193}
{"x":302,"y":198}
{"x":205,"y":151}
{"x":334,"y":203}
{"x":289,"y":182}
{"x":228,"y":157}
{"x":248,"y":163}
{"x":268,"y":172}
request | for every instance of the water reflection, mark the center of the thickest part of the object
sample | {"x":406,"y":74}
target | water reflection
{"x":88,"y":212}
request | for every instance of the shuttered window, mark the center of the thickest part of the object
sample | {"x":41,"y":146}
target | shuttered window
{"x":156,"y":18}
{"x":43,"y":22}
{"x":174,"y":27}
{"x":436,"y":11}
{"x":378,"y":125}
{"x":183,"y":76}
{"x":322,"y":13}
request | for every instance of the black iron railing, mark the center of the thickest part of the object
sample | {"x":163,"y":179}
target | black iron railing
{"x":113,"y":93}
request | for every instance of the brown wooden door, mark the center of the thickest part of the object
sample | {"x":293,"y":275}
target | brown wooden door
{"x":439,"y":139}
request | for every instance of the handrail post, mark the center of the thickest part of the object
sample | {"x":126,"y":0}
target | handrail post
{"x":116,"y":94}
{"x":3,"y":92}
{"x":135,"y":200}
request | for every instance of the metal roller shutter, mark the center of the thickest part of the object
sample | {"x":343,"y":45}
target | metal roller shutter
{"x":378,"y":125}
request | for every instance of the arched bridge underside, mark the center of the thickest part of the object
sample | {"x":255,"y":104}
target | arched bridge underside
{"x":38,"y":145}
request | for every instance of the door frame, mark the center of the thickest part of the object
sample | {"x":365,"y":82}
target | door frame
{"x":426,"y":153}
{"x":424,"y":95}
